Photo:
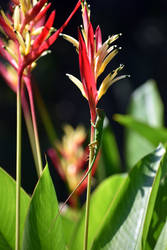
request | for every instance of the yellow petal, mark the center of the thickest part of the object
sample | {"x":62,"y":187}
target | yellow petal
{"x":3,"y":32}
{"x":28,"y":43}
{"x":108,"y":81}
{"x":28,"y":4}
{"x":36,"y":31}
{"x":12,"y":73}
{"x":72,"y":40}
{"x":23,"y":5}
{"x":6,"y":19}
{"x":78,"y":83}
{"x":84,"y":34}
{"x":45,"y":53}
{"x":106,"y":44}
{"x":113,"y":38}
{"x":21,"y":41}
{"x":102,"y":49}
{"x":33,"y":65}
{"x":34,"y":2}
{"x":11,"y":52}
{"x":99,"y":58}
{"x":16,"y":18}
{"x":106,"y":62}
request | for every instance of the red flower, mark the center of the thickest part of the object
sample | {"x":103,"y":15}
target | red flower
{"x":87,"y":76}
{"x":25,"y":27}
{"x":93,"y":59}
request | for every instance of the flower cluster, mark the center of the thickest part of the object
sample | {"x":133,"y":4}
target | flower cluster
{"x":26,"y":34}
{"x":70,"y":157}
{"x":94,"y":56}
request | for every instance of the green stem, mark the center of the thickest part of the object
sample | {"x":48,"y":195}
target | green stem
{"x":91,"y":153}
{"x":30,"y":130}
{"x":40,"y":167}
{"x":18,"y":162}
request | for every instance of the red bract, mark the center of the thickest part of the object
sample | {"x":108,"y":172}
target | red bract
{"x":52,"y":39}
{"x":87,"y":77}
{"x":7,"y":29}
{"x":32,"y":13}
{"x":26,"y":28}
{"x":39,"y":40}
{"x":93,"y":59}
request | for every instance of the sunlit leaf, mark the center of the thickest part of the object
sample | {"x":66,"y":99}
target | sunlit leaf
{"x":146,"y":106}
{"x":8,"y":211}
{"x":160,"y":212}
{"x":127,"y":220}
{"x":101,"y":200}
{"x":43,"y":228}
{"x":152,"y":134}
{"x":69,"y":220}
{"x":162,"y":240}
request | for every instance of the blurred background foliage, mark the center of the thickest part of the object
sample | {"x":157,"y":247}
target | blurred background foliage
{"x":144,"y":53}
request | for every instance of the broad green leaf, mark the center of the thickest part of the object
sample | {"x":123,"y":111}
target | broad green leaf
{"x":128,"y":218}
{"x":68,"y":228}
{"x":43,"y":228}
{"x":110,"y":152}
{"x":152,"y":134}
{"x":160,"y":210}
{"x":69,"y":219}
{"x":101,"y":199}
{"x":136,"y":146}
{"x":8,"y":211}
{"x":162,"y":240}
{"x":146,"y":106}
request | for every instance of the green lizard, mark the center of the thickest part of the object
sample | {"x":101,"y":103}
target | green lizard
{"x":96,"y":146}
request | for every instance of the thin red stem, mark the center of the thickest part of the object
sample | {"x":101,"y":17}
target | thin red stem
{"x":29,"y":89}
{"x":29,"y":126}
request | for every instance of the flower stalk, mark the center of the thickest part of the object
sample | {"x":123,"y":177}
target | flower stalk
{"x":91,"y":154}
{"x":36,"y":137}
{"x":18,"y":160}
{"x":29,"y":125}
{"x":94,"y":56}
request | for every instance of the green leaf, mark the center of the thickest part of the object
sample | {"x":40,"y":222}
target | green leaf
{"x":160,"y":212}
{"x":8,"y":211}
{"x":152,"y":134}
{"x":69,"y":220}
{"x":128,"y":219}
{"x":43,"y":228}
{"x":110,"y":152}
{"x":68,"y":228}
{"x":162,"y":240}
{"x":99,"y":204}
{"x":145,"y":106}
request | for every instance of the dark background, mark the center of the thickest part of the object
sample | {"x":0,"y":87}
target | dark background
{"x":144,"y":53}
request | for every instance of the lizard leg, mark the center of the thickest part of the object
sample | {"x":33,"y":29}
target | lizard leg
{"x":93,"y":144}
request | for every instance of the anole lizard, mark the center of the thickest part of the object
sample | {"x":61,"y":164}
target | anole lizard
{"x":96,"y":146}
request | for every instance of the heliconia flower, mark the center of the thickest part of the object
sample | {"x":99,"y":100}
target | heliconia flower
{"x":94,"y":56}
{"x":27,"y":28}
{"x":70,"y":157}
